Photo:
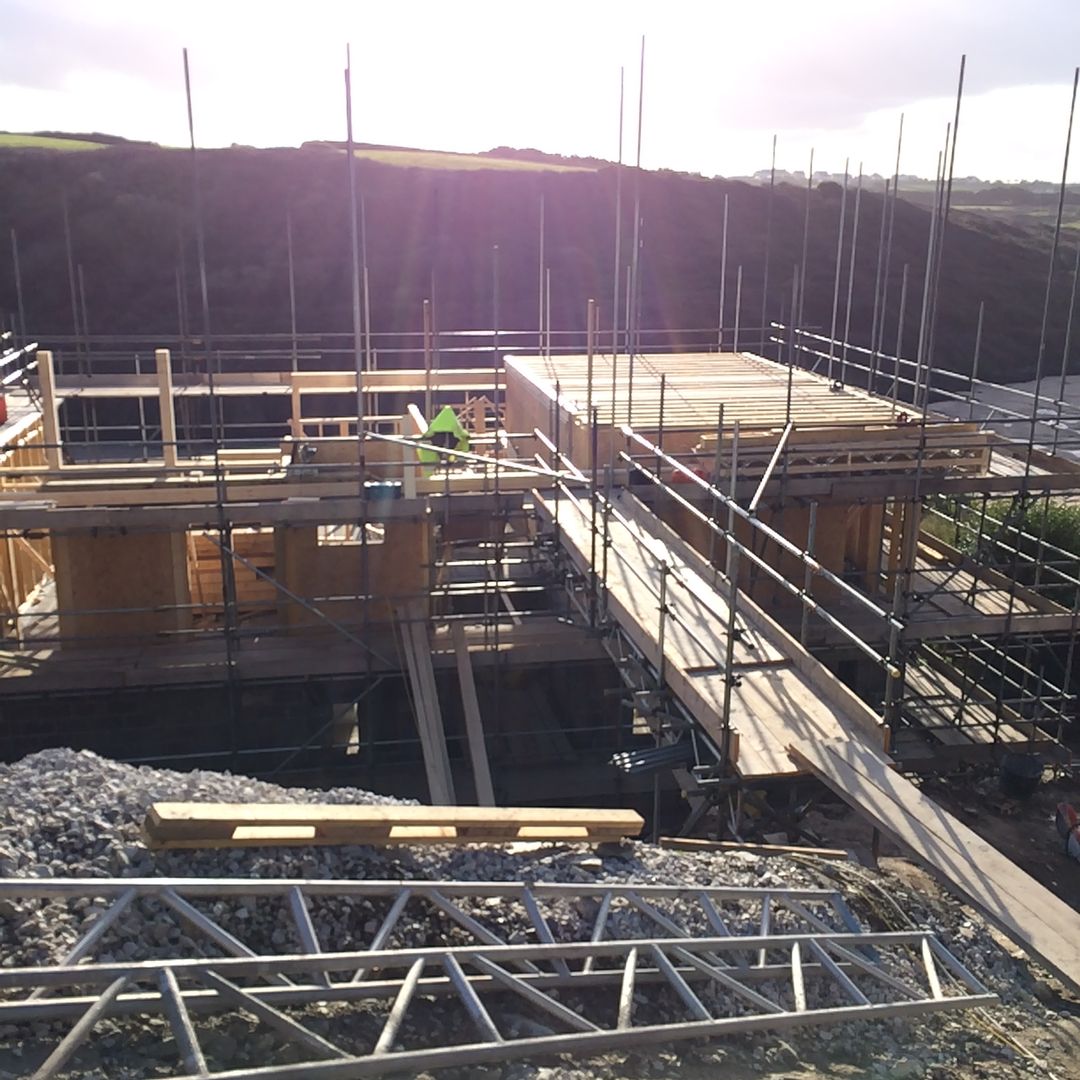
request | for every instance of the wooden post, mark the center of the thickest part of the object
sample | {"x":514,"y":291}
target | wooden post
{"x":16,"y":598}
{"x":168,"y":412}
{"x":474,"y":725}
{"x":295,"y":425}
{"x":428,"y":414}
{"x":409,"y":465}
{"x":50,"y":409}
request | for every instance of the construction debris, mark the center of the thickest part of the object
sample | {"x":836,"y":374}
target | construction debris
{"x":690,"y":843}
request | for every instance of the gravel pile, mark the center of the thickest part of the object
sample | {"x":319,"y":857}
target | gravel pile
{"x":66,"y":813}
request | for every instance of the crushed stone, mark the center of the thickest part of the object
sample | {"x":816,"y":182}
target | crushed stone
{"x":67,"y":813}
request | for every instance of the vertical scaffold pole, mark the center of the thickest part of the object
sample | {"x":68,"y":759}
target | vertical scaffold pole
{"x":617,"y":273}
{"x":839,"y":263}
{"x":428,"y":414}
{"x":768,"y":249}
{"x":808,"y":576}
{"x":294,"y":355}
{"x":733,"y":596}
{"x":19,"y":304}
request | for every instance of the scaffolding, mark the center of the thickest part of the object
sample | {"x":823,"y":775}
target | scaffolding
{"x":906,"y":550}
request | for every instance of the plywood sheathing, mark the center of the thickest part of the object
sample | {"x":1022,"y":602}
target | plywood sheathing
{"x":390,"y":571}
{"x":835,"y":524}
{"x":99,"y":574}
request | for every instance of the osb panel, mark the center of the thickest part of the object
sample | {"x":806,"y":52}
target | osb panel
{"x":99,"y":574}
{"x":321,"y":573}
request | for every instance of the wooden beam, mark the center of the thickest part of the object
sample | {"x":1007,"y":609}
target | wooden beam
{"x":330,"y":510}
{"x":397,"y":380}
{"x":296,"y":421}
{"x":242,"y":383}
{"x":50,"y":414}
{"x":168,"y":413}
{"x":474,"y":724}
{"x":417,"y":421}
{"x":245,"y":489}
{"x":217,"y":825}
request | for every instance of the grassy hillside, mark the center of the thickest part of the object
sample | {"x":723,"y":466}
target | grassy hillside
{"x":436,"y":159}
{"x":14,"y":141}
{"x":410,"y":158}
{"x":437,"y":221}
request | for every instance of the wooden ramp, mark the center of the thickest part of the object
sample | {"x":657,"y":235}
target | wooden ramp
{"x":1026,"y":911}
{"x":789,"y":706}
{"x":784,"y":695}
{"x":218,"y":825}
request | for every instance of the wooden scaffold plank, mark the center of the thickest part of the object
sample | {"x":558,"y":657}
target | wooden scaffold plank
{"x":474,"y":724}
{"x":1027,"y":911}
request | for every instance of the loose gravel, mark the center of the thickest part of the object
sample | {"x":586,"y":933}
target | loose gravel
{"x":67,"y":813}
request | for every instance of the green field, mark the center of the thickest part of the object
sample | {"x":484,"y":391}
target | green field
{"x":434,"y":159}
{"x":45,"y":142}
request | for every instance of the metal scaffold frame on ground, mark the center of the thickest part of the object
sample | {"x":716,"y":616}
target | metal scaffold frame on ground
{"x":796,"y":958}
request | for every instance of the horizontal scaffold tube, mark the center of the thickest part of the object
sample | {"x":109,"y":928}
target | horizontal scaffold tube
{"x":771,"y":534}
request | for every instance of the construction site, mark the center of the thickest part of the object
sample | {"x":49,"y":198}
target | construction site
{"x":389,"y":703}
{"x":668,"y":581}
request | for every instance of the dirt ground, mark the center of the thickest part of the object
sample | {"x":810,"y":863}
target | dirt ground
{"x":1025,"y":831}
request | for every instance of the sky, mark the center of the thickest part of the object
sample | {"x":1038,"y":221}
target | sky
{"x":721,"y":77}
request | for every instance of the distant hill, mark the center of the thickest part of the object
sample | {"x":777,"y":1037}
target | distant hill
{"x":63,"y":140}
{"x":1022,"y":203}
{"x":435,"y":217}
{"x":17,"y":141}
{"x":410,"y":157}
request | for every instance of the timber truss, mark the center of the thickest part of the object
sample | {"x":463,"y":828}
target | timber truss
{"x":520,"y":969}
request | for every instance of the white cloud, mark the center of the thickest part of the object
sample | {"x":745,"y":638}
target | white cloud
{"x":469,"y":74}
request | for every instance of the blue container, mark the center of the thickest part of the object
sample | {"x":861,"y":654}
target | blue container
{"x":1021,"y":775}
{"x":382,"y":490}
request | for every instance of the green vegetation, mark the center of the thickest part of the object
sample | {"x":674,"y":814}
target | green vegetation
{"x":1038,"y":542}
{"x":10,"y":141}
{"x":502,"y":159}
{"x":436,"y":159}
